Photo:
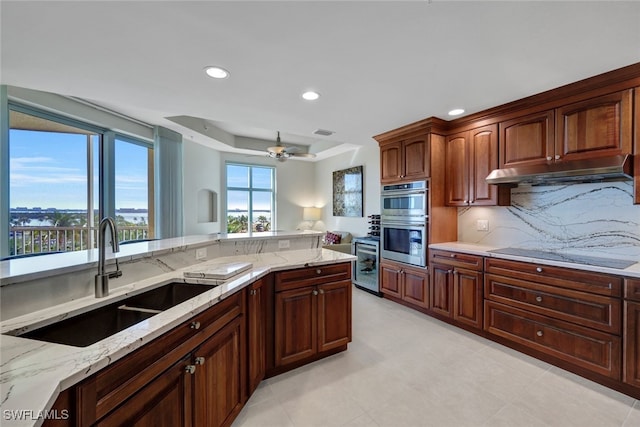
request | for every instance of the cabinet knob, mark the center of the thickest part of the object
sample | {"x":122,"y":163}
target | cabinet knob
{"x":539,"y":269}
{"x":549,"y":158}
{"x":453,"y":255}
{"x":321,"y":291}
{"x":252,"y":292}
{"x":539,"y":333}
{"x":190,"y":369}
{"x":318,"y":271}
{"x":199,"y":361}
{"x":539,"y":298}
{"x":195,"y":325}
{"x":315,"y":292}
{"x":557,"y":156}
{"x":449,"y":271}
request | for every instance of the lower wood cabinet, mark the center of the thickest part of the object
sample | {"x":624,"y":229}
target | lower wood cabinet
{"x":256,"y":334}
{"x":408,"y":283}
{"x":631,"y":334}
{"x":456,"y":287}
{"x":312,"y":314}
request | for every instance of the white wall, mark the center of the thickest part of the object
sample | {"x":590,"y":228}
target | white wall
{"x":201,"y":171}
{"x":369,"y":157}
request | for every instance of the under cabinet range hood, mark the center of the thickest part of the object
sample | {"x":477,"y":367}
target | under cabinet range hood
{"x":609,"y":168}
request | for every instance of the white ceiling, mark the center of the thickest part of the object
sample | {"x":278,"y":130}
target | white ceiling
{"x":378,"y":65}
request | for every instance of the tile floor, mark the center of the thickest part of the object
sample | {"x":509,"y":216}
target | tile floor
{"x":404,"y":368}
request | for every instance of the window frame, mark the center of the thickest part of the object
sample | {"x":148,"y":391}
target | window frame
{"x":250,"y":189}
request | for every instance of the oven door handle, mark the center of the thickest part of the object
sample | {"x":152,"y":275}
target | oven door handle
{"x":403,"y":192}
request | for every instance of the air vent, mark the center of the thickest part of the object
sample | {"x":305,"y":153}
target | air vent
{"x":323,"y":132}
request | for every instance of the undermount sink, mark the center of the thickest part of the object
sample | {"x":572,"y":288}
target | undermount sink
{"x":95,"y":325}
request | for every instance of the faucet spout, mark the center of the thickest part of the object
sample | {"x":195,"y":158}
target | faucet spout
{"x":102,"y":278}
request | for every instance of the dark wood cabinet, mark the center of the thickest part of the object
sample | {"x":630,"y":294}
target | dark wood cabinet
{"x":631,"y":333}
{"x":256,"y":334}
{"x":456,"y":287}
{"x":527,"y":140}
{"x":218,"y":377}
{"x":406,"y":160}
{"x":596,"y":127}
{"x":312,"y":313}
{"x":470,"y":157}
{"x":405,"y":282}
{"x":165,"y":401}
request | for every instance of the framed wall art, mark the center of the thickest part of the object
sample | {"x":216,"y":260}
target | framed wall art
{"x":347,"y":192}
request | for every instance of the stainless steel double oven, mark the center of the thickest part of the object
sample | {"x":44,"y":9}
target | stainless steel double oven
{"x":403,"y":222}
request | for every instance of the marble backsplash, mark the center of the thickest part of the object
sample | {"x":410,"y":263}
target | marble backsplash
{"x":596,"y":219}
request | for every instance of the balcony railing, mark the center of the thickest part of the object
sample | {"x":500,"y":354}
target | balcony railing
{"x":28,"y":240}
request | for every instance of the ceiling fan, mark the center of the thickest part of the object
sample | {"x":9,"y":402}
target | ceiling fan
{"x":281,"y":153}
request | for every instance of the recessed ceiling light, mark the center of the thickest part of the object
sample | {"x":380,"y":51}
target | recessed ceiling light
{"x":456,"y":112}
{"x":311,"y":95}
{"x":216,"y":72}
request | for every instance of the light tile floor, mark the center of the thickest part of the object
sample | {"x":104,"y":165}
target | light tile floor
{"x":404,"y":368}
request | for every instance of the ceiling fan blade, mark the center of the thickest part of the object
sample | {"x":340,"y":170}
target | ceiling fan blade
{"x":306,"y":155}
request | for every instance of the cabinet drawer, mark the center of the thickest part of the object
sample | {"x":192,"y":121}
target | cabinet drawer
{"x":596,"y":351}
{"x":632,"y":289}
{"x":457,"y":259}
{"x":587,"y":281}
{"x":309,"y":276}
{"x":111,"y":386}
{"x":594,"y":311}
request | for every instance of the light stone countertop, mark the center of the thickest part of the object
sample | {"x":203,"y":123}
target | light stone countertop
{"x":34,"y":372}
{"x":23,"y":269}
{"x":483,"y":250}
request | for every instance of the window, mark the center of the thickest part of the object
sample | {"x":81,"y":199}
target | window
{"x":58,"y":188}
{"x":250,"y":198}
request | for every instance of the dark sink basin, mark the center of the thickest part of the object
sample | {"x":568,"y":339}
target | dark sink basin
{"x":95,"y":325}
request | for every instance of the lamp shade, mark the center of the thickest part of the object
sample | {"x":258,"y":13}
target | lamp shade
{"x":311,"y":214}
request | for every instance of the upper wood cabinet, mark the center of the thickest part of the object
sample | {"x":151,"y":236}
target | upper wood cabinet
{"x":600,"y":126}
{"x":406,"y":160}
{"x":595,"y":127}
{"x":527,"y":140}
{"x":470,"y":157}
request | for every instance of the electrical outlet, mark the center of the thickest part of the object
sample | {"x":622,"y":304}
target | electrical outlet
{"x":482,"y":225}
{"x":283,"y":244}
{"x":201,"y":253}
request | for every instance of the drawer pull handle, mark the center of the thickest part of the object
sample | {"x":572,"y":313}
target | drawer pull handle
{"x":539,"y":333}
{"x":539,"y":298}
{"x":195,"y":325}
{"x":199,"y":361}
{"x":190,"y":369}
{"x":539,"y":269}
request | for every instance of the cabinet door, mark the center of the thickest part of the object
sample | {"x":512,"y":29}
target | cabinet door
{"x":218,"y":392}
{"x":415,"y":287}
{"x":256,"y":333}
{"x":527,"y":140}
{"x":441,"y":292}
{"x":295,"y":325}
{"x":416,"y":159}
{"x":391,"y":162}
{"x":390,"y":279}
{"x":334,"y":315}
{"x":457,"y":170}
{"x":597,"y":127}
{"x":631,"y":369}
{"x":483,"y":158}
{"x":467,"y":297}
{"x":165,"y":401}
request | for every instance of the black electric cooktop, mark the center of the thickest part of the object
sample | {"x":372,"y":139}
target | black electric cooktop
{"x":578,"y":259}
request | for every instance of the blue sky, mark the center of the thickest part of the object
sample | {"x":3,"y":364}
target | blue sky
{"x":238,"y":177}
{"x":49,"y":169}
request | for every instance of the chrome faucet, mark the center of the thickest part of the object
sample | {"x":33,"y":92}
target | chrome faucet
{"x":102,"y":278}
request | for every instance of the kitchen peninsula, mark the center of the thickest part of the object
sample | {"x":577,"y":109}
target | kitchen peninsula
{"x":34,"y":373}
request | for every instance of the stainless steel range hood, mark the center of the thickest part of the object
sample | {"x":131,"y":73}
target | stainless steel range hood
{"x":610,"y":168}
